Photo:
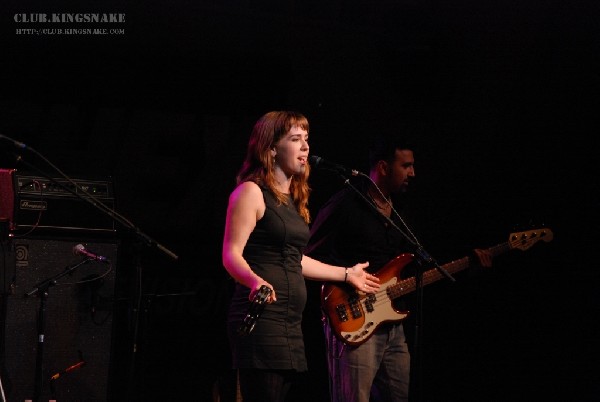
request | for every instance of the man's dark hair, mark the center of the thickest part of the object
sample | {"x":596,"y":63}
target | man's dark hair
{"x":384,"y":146}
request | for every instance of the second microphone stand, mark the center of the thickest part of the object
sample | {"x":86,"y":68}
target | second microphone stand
{"x":42,"y":290}
{"x":141,"y":238}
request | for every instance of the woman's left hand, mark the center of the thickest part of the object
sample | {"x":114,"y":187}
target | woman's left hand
{"x":361,"y":279}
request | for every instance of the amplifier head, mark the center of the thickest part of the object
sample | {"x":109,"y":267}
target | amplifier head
{"x":42,"y":204}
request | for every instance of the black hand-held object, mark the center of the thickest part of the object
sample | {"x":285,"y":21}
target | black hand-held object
{"x":255,"y":310}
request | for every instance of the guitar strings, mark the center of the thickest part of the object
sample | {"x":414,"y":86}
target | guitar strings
{"x":382,"y":298}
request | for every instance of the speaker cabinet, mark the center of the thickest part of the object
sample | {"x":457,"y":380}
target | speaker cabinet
{"x":77,"y":322}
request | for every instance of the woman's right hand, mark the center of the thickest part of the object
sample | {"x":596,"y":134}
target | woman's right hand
{"x":256,"y":288}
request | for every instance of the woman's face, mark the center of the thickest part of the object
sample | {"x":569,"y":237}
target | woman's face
{"x":291,"y":151}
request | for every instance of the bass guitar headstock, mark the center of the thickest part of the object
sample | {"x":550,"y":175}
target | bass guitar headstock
{"x":524,"y":240}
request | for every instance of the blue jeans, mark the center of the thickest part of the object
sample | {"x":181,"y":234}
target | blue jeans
{"x":377,"y":370}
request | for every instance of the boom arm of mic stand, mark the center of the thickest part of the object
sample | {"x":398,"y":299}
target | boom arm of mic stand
{"x":419,"y":250}
{"x":424,"y":256}
{"x":157,"y":245}
{"x":47,"y":283}
{"x":95,"y":202}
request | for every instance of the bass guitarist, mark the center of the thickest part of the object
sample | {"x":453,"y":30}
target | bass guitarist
{"x":360,"y":223}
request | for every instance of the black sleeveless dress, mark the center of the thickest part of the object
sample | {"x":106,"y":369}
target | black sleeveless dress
{"x":274,"y":251}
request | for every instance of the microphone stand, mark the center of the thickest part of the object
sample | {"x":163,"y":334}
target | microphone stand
{"x":423,"y":257}
{"x":142,"y":238}
{"x":418,"y":249}
{"x":42,"y":290}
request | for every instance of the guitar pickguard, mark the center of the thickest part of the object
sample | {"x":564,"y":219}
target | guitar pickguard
{"x":374,"y":311}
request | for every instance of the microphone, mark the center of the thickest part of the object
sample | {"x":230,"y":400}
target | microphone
{"x":16,"y":143}
{"x":320,"y":163}
{"x":80,"y":250}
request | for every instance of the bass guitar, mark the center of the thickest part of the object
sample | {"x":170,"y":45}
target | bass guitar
{"x":354,"y":315}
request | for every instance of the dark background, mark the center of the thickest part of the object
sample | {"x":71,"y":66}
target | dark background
{"x":502,"y":97}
